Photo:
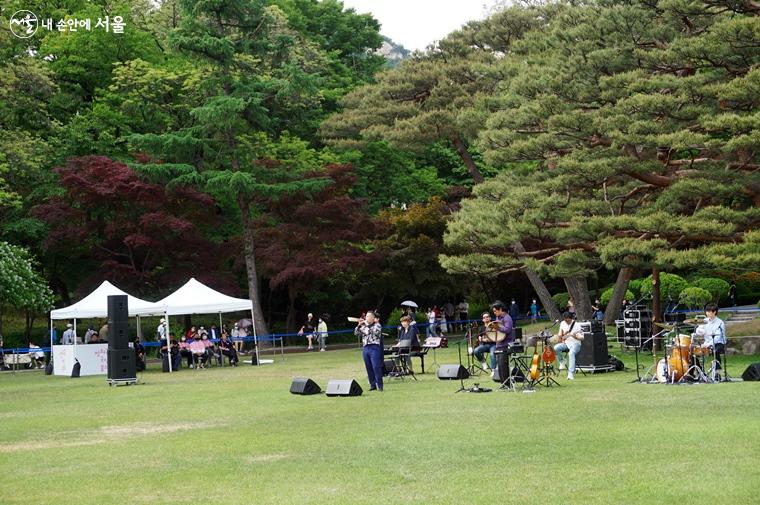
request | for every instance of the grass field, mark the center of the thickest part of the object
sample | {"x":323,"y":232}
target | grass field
{"x":236,"y":435}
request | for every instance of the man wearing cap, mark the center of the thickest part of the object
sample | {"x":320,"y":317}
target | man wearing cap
{"x":68,"y":335}
{"x":161,"y":329}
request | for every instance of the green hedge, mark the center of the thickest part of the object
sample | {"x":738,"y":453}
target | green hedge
{"x":718,"y":288}
{"x":670,"y":285}
{"x":607,"y":295}
{"x":694,"y":297}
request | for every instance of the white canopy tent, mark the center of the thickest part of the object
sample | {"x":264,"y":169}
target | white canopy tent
{"x":96,"y":305}
{"x":197,"y":298}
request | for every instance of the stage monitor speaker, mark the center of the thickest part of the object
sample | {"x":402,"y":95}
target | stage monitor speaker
{"x":304,"y":386}
{"x":343,"y":387}
{"x":752,"y":373}
{"x":452,"y":372}
{"x":118,"y":308}
{"x":121,"y":364}
{"x":593,"y":350}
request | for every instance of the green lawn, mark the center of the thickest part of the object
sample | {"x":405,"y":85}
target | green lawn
{"x":236,"y":435}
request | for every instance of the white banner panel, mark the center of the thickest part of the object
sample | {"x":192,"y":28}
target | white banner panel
{"x":92,"y":357}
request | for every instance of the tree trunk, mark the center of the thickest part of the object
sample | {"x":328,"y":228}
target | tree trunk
{"x":290,"y":319}
{"x":469,"y":163}
{"x":250,"y":266}
{"x":30,"y":317}
{"x":656,"y":306}
{"x":618,"y":295}
{"x":577,"y":287}
{"x":539,"y":287}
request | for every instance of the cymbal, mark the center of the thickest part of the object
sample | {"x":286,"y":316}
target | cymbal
{"x":666,"y":326}
{"x":695,"y":320}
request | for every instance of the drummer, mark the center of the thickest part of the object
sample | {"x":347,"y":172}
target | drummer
{"x":714,"y":330}
{"x":483,"y":345}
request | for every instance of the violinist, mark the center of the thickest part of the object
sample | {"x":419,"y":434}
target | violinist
{"x":570,"y":336}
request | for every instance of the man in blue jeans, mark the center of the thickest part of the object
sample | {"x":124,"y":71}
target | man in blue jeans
{"x":372,"y":349}
{"x":485,"y":346}
{"x":570,"y":336}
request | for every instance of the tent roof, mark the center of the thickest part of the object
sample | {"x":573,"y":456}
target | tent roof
{"x":96,"y":305}
{"x":197,"y":298}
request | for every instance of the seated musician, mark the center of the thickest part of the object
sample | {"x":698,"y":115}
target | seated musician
{"x":485,"y":344}
{"x":715,"y":333}
{"x":408,"y":336}
{"x":504,"y":325}
{"x":570,"y":336}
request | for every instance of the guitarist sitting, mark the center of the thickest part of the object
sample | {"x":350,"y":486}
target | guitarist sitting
{"x":569,"y":336}
{"x":485,"y":343}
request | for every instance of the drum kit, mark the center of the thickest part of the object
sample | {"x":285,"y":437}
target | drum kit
{"x":685,"y":357}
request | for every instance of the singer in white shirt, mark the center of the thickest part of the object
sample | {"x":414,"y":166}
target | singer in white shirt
{"x":570,"y":336}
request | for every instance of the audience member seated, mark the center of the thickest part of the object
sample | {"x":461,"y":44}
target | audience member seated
{"x":95,"y":339}
{"x":227,"y":348}
{"x":198,"y":349}
{"x":209,"y":345}
{"x":184,"y":350}
{"x":175,"y":356}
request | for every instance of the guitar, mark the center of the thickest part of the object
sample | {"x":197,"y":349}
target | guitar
{"x":534,"y":365}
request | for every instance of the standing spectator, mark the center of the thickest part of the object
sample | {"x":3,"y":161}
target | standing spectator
{"x":514,"y":311}
{"x":623,"y":308}
{"x":732,"y":294}
{"x":598,"y":309}
{"x":68,"y":336}
{"x":430,"y":332}
{"x":448,"y":315}
{"x":103,"y":333}
{"x":139,"y":355}
{"x":308,"y":329}
{"x":171,"y":351}
{"x":161,"y":329}
{"x":322,"y":332}
{"x":571,"y":307}
{"x":533,"y":311}
{"x":371,"y":335}
{"x":464,"y":313}
{"x":88,"y":334}
{"x":213,"y":333}
{"x":38,"y":357}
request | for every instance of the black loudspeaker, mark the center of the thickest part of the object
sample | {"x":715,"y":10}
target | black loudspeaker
{"x":118,"y":322}
{"x":752,"y":373}
{"x":593,"y":350}
{"x":304,"y":386}
{"x":49,"y":368}
{"x":121,"y":364}
{"x":452,"y":372}
{"x":347,"y":387}
{"x":117,"y":308}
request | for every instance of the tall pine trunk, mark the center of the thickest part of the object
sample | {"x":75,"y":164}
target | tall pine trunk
{"x":469,"y":163}
{"x":250,"y":265}
{"x":618,"y":295}
{"x":539,"y":287}
{"x":577,"y":287}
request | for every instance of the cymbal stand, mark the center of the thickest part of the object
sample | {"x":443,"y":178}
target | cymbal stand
{"x":472,"y":364}
{"x":650,"y":375}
